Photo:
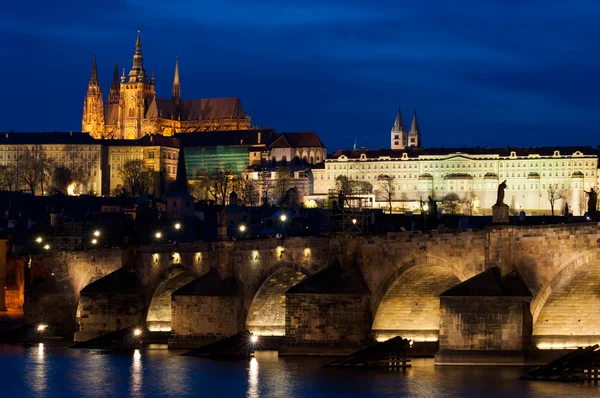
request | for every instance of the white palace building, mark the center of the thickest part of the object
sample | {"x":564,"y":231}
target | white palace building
{"x":410,"y":173}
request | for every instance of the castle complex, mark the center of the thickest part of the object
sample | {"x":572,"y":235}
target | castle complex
{"x":538,"y":179}
{"x":132,"y":109}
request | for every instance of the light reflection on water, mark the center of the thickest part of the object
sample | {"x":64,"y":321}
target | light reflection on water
{"x":136,"y":373}
{"x":43,"y":370}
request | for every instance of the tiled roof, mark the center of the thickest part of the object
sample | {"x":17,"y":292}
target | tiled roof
{"x":163,"y":108}
{"x":46,"y":138}
{"x":296,"y":140}
{"x":201,"y":109}
{"x":225,"y":138}
{"x":506,"y":151}
{"x":147,"y":140}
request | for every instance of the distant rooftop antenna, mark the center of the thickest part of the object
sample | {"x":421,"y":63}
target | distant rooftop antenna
{"x":355,"y":144}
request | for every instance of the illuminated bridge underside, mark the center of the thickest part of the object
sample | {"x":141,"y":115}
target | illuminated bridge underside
{"x":571,"y":316}
{"x":266,"y":316}
{"x":159,"y":312}
{"x":411,"y":306}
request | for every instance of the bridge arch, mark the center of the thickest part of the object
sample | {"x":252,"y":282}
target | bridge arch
{"x":409,"y":303}
{"x":158,"y":318}
{"x":266,"y":313}
{"x":565,"y":310}
{"x":92,"y":276}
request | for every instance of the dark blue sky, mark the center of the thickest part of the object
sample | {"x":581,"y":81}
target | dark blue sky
{"x":493,"y":72}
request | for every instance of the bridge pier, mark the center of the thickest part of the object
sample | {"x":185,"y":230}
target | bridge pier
{"x":205,"y":310}
{"x":485,"y":320}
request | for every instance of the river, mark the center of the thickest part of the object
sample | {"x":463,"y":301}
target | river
{"x":53,"y":371}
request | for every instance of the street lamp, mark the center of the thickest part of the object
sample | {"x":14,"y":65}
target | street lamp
{"x":47,"y":246}
{"x":254,"y":339}
{"x":96,"y":233}
{"x":283,"y":218}
{"x":158,"y":235}
{"x":39,"y":239}
{"x":94,"y":241}
{"x":242,"y":228}
{"x":354,"y":221}
{"x":137,"y":332}
{"x":177,"y":226}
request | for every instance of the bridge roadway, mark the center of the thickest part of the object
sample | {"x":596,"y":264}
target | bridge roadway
{"x":350,"y":288}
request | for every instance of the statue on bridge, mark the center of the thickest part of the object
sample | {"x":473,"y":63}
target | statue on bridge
{"x":592,"y":203}
{"x":500,"y":210}
{"x":501,"y":189}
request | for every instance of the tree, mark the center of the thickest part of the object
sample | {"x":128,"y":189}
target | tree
{"x":219,"y":183}
{"x":553,"y":195}
{"x":451,"y":203}
{"x":343,"y":184}
{"x":469,"y":202}
{"x":386,"y":190}
{"x":137,"y":178}
{"x":31,"y":169}
{"x":248,"y":191}
{"x":283,"y":180}
{"x":8,"y":177}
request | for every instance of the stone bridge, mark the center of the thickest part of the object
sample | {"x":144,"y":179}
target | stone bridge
{"x":339,"y":289}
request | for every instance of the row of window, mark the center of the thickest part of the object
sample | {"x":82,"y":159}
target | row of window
{"x":531,"y":166}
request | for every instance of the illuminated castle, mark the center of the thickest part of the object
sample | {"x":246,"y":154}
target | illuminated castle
{"x":132,"y":109}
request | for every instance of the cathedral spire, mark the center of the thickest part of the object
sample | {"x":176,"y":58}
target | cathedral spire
{"x":94,"y":77}
{"x":414,"y":135}
{"x":115,"y":88}
{"x":137,"y":73}
{"x":414,"y":126}
{"x":176,"y":91}
{"x":398,"y":139}
{"x":399,"y":123}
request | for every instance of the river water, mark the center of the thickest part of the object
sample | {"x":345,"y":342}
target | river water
{"x":51,"y":371}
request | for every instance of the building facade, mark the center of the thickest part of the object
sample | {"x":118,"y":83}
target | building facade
{"x":159,"y":153}
{"x":132,"y":109}
{"x":30,"y":160}
{"x":533,"y":176}
{"x":304,"y":148}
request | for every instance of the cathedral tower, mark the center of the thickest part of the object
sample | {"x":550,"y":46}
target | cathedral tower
{"x":398,"y":138}
{"x":176,"y":91}
{"x":93,"y":106}
{"x":115,"y":87}
{"x":414,"y":135}
{"x":136,"y":95}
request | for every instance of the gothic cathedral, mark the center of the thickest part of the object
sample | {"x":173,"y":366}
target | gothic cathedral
{"x":132,"y":109}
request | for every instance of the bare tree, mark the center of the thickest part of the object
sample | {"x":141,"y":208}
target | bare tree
{"x":137,"y":178}
{"x":283,"y":180}
{"x":248,"y":191}
{"x":554,"y":194}
{"x":219,"y":183}
{"x":386,"y":190}
{"x":451,"y":203}
{"x":8,"y":177}
{"x":343,"y":184}
{"x":469,"y":202}
{"x":31,"y":169}
{"x":582,"y":199}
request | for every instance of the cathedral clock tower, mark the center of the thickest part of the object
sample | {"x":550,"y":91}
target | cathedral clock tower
{"x":136,"y":95}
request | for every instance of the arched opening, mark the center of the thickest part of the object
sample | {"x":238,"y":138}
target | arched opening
{"x":266,"y":315}
{"x":159,"y":311}
{"x":93,"y":278}
{"x":284,"y":161}
{"x":411,"y":305}
{"x":568,"y":318}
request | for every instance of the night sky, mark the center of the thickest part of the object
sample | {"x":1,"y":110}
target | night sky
{"x":493,"y":72}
